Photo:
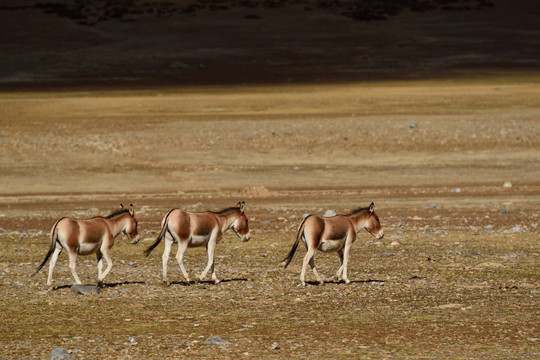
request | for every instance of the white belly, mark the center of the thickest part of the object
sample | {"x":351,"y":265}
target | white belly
{"x":199,"y":240}
{"x":85,"y":249}
{"x":331,"y":245}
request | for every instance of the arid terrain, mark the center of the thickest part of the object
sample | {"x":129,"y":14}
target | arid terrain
{"x":448,"y":151}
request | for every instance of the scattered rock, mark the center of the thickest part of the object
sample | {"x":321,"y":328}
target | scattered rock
{"x":475,"y":254}
{"x":413,"y":125}
{"x":457,"y":190}
{"x":417,"y":218}
{"x":430,"y":234}
{"x":293,"y":217}
{"x":507,"y":185}
{"x":2,"y":230}
{"x":394,"y":243}
{"x":386,"y":254}
{"x":510,"y":255}
{"x":503,"y":211}
{"x":216,"y":340}
{"x":432,"y":206}
{"x":60,"y":354}
{"x":132,"y":340}
{"x":266,"y":221}
{"x":517,"y":230}
{"x":77,"y":289}
{"x":329,"y":213}
{"x":274,"y":346}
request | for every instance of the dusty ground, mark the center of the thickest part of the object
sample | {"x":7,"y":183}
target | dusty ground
{"x":456,"y":275}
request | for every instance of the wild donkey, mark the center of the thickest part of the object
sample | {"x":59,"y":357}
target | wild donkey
{"x":85,"y":237}
{"x":194,"y":229}
{"x":336,"y":233}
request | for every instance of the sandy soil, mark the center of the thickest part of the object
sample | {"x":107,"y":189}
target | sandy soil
{"x":456,"y":275}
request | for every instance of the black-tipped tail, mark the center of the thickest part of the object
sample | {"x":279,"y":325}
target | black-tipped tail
{"x":54,"y":238}
{"x":161,"y":234}
{"x":299,"y":234}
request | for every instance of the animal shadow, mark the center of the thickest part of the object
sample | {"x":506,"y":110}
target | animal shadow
{"x":104,"y":286}
{"x":207,"y":282}
{"x":315,"y":283}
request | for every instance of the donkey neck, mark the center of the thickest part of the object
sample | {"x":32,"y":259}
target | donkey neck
{"x":359,"y":220}
{"x":117,"y":224}
{"x":226,"y":220}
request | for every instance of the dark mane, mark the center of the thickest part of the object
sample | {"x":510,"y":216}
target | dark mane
{"x":224,"y":211}
{"x":116,"y":213}
{"x":357,"y":211}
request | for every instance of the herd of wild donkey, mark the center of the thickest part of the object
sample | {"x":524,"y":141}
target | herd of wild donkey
{"x":193,"y":229}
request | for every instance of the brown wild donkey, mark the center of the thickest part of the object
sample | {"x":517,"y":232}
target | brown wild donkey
{"x":194,"y":229}
{"x":85,"y":237}
{"x":336,"y":233}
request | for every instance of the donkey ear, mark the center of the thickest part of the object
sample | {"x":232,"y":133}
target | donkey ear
{"x":131,"y":210}
{"x":240,"y":205}
{"x":371,"y":207}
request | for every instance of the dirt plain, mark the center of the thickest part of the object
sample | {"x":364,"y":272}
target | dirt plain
{"x":291,"y":129}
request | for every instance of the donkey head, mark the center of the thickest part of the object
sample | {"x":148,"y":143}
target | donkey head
{"x":240,"y":225}
{"x":373,"y":225}
{"x":130,"y":227}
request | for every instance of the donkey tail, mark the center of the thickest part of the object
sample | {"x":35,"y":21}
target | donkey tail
{"x":54,"y":237}
{"x":299,"y":234}
{"x":161,"y":234}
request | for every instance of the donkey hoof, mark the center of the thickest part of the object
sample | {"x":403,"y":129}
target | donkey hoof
{"x":216,"y":281}
{"x":166,"y":283}
{"x":100,"y":284}
{"x":347,"y":281}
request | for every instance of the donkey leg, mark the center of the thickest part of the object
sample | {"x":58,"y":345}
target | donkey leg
{"x":52,"y":263}
{"x":108,"y":259}
{"x":72,"y":263}
{"x":346,"y":254}
{"x":99,"y":258}
{"x":182,"y":246}
{"x":165,"y":258}
{"x":210,"y":249}
{"x":337,"y":277}
{"x":315,"y":272}
{"x":309,"y":255}
{"x":214,"y":277}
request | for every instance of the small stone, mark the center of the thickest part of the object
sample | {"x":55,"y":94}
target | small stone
{"x":60,"y":354}
{"x":78,"y":289}
{"x":275,"y":346}
{"x":394,"y":243}
{"x":507,"y":185}
{"x":386,"y":254}
{"x":457,"y":190}
{"x":517,"y":230}
{"x":216,"y":340}
{"x":132,"y":340}
{"x":329,"y":213}
{"x":2,"y":230}
{"x":475,"y":254}
{"x":413,"y":125}
{"x":432,"y":206}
